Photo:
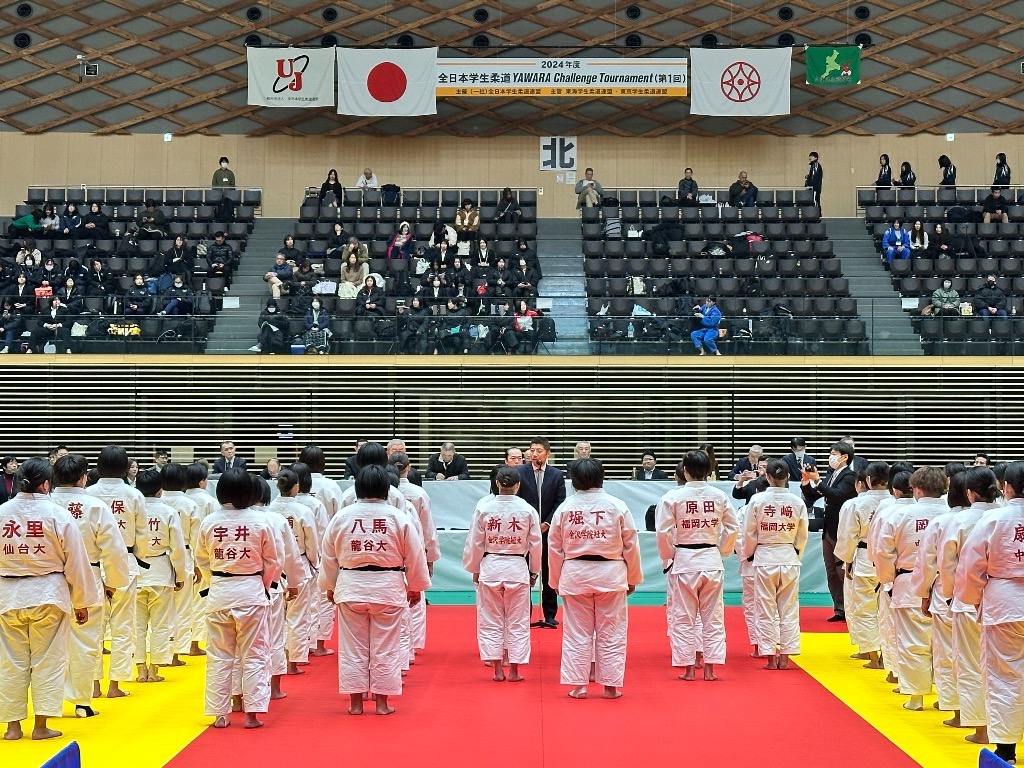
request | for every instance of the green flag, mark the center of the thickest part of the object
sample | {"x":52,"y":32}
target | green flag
{"x":833,"y":66}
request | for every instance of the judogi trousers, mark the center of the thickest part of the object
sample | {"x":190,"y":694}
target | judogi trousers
{"x":967,"y":663}
{"x":241,"y":633}
{"x":913,"y":646}
{"x":299,"y":623}
{"x":33,"y":655}
{"x":85,"y":656}
{"x":405,"y":644}
{"x":887,"y":633}
{"x":942,"y":660}
{"x":369,"y":648}
{"x":190,"y":613}
{"x":503,"y":621}
{"x":1002,"y":654}
{"x":123,"y":626}
{"x":749,"y":602}
{"x":697,"y":618}
{"x":777,"y":609}
{"x":862,"y":613}
{"x":594,"y":628}
{"x":276,"y":620}
{"x":154,"y":618}
{"x":325,"y":618}
{"x":418,"y":625}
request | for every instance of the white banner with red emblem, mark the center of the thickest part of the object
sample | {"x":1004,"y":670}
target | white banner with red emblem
{"x":741,"y":82}
{"x":380,"y":82}
{"x":290,"y":77}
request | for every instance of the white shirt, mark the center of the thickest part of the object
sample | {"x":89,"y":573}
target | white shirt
{"x":696,"y":513}
{"x":129,"y":509}
{"x":103,"y":543}
{"x":504,"y":541}
{"x":990,"y":572}
{"x":367,"y":183}
{"x":897,"y":544}
{"x":40,"y":542}
{"x":237,"y":541}
{"x":593,"y":523}
{"x":373,"y":533}
{"x":775,"y":528}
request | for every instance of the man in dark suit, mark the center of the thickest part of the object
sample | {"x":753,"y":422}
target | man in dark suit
{"x":752,"y":482}
{"x":748,"y":463}
{"x":228,"y":459}
{"x":54,"y":325}
{"x":838,"y":487}
{"x":546,"y":500}
{"x":648,"y":469}
{"x":447,"y":464}
{"x":798,"y":458}
{"x":8,"y":481}
{"x":351,"y":470}
{"x":858,"y":463}
{"x":397,"y":445}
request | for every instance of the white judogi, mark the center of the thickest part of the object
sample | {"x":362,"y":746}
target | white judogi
{"x":186,"y":599}
{"x":377,"y":547}
{"x":696,"y":527}
{"x":861,"y":596}
{"x":44,"y":575}
{"x":748,"y":597}
{"x":108,"y":558}
{"x":895,"y":555}
{"x":238,"y":559}
{"x":320,"y":607}
{"x":298,"y":615}
{"x":328,"y":492}
{"x":162,"y":558}
{"x":886,"y":620}
{"x":420,"y":502}
{"x":775,"y":536}
{"x":593,"y":558}
{"x":502,"y":549}
{"x":990,"y":573}
{"x":129,"y":509}
{"x":924,"y":585}
{"x":966,"y":627}
{"x":206,"y":504}
{"x":294,"y":573}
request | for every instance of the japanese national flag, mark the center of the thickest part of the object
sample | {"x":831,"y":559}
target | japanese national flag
{"x":382,"y":82}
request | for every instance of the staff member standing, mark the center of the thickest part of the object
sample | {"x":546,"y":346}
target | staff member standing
{"x":44,"y":577}
{"x":595,"y":563}
{"x":543,"y":487}
{"x":385,"y":571}
{"x":991,"y":568}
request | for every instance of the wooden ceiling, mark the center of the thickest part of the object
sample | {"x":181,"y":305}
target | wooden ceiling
{"x":178,"y":66}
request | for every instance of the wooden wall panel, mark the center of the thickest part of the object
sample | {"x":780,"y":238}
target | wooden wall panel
{"x":284,"y":166}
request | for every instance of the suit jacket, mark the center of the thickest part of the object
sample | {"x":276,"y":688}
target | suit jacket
{"x":835,"y":493}
{"x":657,"y":474}
{"x":859,"y":464}
{"x":219,"y":464}
{"x":746,"y":493}
{"x":743,"y":465}
{"x":794,"y":465}
{"x":350,"y":467}
{"x":457,"y":467}
{"x":552,"y":494}
{"x":4,"y":495}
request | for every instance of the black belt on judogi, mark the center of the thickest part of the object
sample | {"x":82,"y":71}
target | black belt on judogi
{"x":507,"y":554}
{"x":862,"y":545}
{"x":695,"y":546}
{"x":594,"y":558}
{"x":375,"y":568}
{"x":901,"y":571}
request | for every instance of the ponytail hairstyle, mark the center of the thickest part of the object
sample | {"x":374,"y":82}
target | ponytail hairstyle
{"x":777,"y":472}
{"x":982,"y":482}
{"x":286,"y":480}
{"x":33,"y":475}
{"x":957,"y":494}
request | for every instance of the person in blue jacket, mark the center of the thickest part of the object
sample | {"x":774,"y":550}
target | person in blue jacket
{"x":896,"y":242}
{"x":707,"y":335}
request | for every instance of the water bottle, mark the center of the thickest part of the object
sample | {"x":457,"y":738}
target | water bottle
{"x":630,"y":330}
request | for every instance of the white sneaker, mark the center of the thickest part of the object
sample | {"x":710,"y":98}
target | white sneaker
{"x":255,"y":348}
{"x":3,"y":351}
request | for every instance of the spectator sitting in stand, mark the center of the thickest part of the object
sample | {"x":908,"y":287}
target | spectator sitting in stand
{"x":452,"y":332}
{"x":137,"y":299}
{"x":220,"y":258}
{"x":53,"y":325}
{"x":413,"y":324}
{"x":27,"y":224}
{"x":504,"y":279}
{"x":271,"y":338}
{"x":291,"y":254}
{"x":443,"y":233}
{"x":895,"y":242}
{"x":938,"y":244}
{"x":177,"y":300}
{"x":71,"y":296}
{"x":279,"y":276}
{"x":360,"y":250}
{"x":48,"y":275}
{"x":990,"y":300}
{"x":12,"y":325}
{"x":742,"y":194}
{"x":176,"y":260}
{"x":22,"y":294}
{"x":995,"y":207}
{"x":509,"y":211}
{"x":152,"y":222}
{"x":95,"y":223}
{"x":918,"y":237}
{"x":588,"y":190}
{"x":524,"y":251}
{"x":336,"y":241}
{"x":28,"y":250}
{"x":501,"y":327}
{"x":467,"y":222}
{"x":75,"y":271}
{"x":689,"y":192}
{"x":368,"y":180}
{"x":525,"y":281}
{"x":369,"y":300}
{"x":98,"y":281}
{"x":526,"y":325}
{"x":400,"y":244}
{"x":318,"y":323}
{"x":353,"y":277}
{"x":330,"y":187}
{"x":448,"y":464}
{"x":945,"y":300}
{"x":70,"y":221}
{"x":50,"y":223}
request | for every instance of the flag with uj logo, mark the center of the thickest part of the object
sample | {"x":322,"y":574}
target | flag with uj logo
{"x":833,"y":66}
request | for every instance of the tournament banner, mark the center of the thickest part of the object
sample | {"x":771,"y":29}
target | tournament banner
{"x":379,"y":82}
{"x":516,"y":78}
{"x":741,"y":82}
{"x":290,"y":77}
{"x":833,"y":66}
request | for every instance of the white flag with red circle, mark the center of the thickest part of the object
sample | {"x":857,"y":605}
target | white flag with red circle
{"x":751,"y":82}
{"x":380,"y":82}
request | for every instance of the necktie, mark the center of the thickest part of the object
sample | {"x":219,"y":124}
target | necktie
{"x":540,"y":485}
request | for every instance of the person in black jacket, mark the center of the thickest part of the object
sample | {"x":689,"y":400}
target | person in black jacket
{"x":54,"y":325}
{"x":369,"y":300}
{"x":351,"y":470}
{"x":838,"y":487}
{"x":447,"y":465}
{"x":272,"y":325}
{"x":797,"y":459}
{"x":990,"y":299}
{"x":815,"y":175}
{"x":137,"y":300}
{"x":98,"y":281}
{"x":71,"y":296}
{"x":178,"y":299}
{"x":542,"y":486}
{"x":227,"y":459}
{"x":9,"y":481}
{"x":332,"y":187}
{"x":884,"y":180}
{"x":688,"y":189}
{"x":220,"y":259}
{"x":648,"y":469}
{"x":948,"y":172}
{"x":413,"y":324}
{"x":12,"y":325}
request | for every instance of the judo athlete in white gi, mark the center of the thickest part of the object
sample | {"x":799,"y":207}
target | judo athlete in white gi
{"x":899,"y":497}
{"x":696,"y":528}
{"x":195,"y":490}
{"x":129,"y":509}
{"x":108,"y":559}
{"x":896,"y":550}
{"x":319,"y":599}
{"x":298,"y":614}
{"x":373,"y":567}
{"x":852,"y":548}
{"x":503,"y":552}
{"x":593,"y":563}
{"x":185,"y":598}
{"x":924,"y":581}
{"x":420,"y":502}
{"x":982,"y":493}
{"x":238,"y":559}
{"x":990,"y":575}
{"x":774,"y":538}
{"x":162,"y":559}
{"x":44,"y":577}
{"x":748,"y":598}
{"x":329,"y":494}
